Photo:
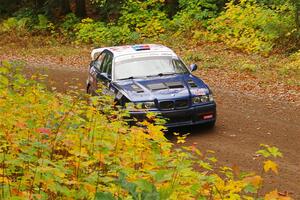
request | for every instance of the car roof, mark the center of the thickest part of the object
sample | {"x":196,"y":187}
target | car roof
{"x":135,"y":49}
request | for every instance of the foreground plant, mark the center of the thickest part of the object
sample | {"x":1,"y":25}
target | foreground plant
{"x":58,"y":146}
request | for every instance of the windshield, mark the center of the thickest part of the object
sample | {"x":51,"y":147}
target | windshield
{"x":148,"y":66}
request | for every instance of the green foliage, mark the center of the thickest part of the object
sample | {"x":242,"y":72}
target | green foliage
{"x":68,"y":24}
{"x":292,"y":67}
{"x":193,"y":12}
{"x":24,"y":13}
{"x":19,"y":24}
{"x":89,"y":31}
{"x":253,"y":27}
{"x":58,"y":146}
{"x":139,"y":20}
{"x":43,"y":24}
{"x":109,"y":10}
{"x":250,"y":25}
{"x":198,"y":9}
{"x":272,"y":2}
{"x":269,"y":152}
{"x":144,"y":17}
{"x":23,"y":25}
{"x":13,"y":24}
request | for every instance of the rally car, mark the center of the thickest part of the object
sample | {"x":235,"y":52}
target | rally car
{"x":152,"y":78}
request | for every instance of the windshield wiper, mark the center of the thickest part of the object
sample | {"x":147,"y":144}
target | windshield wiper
{"x":130,"y":77}
{"x":162,"y":74}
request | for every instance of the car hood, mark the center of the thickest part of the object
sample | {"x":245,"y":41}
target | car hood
{"x":162,"y":87}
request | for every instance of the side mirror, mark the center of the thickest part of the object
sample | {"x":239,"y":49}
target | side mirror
{"x":193,"y":67}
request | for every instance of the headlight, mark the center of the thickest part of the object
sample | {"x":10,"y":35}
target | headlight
{"x":140,"y":106}
{"x":202,"y":99}
{"x":211,"y":97}
{"x":148,"y":105}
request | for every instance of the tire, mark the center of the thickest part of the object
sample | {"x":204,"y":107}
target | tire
{"x":88,"y":90}
{"x":210,"y":125}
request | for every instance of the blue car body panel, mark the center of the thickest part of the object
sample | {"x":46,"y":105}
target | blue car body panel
{"x":190,"y":115}
{"x":185,"y":117}
{"x":183,"y":90}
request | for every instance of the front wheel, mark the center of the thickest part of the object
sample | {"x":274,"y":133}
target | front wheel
{"x":89,"y":90}
{"x":210,"y":125}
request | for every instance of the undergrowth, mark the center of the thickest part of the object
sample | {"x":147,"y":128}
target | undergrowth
{"x":61,"y":146}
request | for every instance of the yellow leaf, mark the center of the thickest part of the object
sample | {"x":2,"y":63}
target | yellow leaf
{"x":89,"y":187}
{"x":256,"y":181}
{"x":4,"y":180}
{"x":270,"y":165}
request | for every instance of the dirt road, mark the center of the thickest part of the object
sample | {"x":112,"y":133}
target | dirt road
{"x":244,"y":122}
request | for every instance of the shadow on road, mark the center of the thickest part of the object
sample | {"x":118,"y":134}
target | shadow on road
{"x":199,"y":130}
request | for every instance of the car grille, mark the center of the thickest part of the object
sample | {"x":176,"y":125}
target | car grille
{"x":166,"y":105}
{"x":171,"y":105}
{"x":184,"y":103}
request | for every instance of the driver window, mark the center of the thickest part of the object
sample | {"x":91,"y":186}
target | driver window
{"x":107,"y":64}
{"x":99,"y":61}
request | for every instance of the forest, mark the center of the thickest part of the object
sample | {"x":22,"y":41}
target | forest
{"x":57,"y":142}
{"x":259,"y":26}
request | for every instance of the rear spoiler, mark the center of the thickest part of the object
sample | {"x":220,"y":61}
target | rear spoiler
{"x":96,"y":51}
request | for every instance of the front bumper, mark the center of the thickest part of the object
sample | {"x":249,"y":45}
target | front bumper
{"x":200,"y":114}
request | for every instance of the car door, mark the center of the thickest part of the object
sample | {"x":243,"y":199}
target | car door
{"x":105,"y":76}
{"x":94,"y":73}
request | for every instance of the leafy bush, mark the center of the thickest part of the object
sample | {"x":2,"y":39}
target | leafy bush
{"x":24,"y":13}
{"x":139,"y":20}
{"x":292,"y":68}
{"x":144,"y":17}
{"x":43,"y":25}
{"x":253,"y":27}
{"x":13,"y":24}
{"x":68,"y":25}
{"x":99,"y":33}
{"x":24,"y":25}
{"x":19,"y":24}
{"x":193,"y":15}
{"x":56,"y":146}
{"x":199,"y":9}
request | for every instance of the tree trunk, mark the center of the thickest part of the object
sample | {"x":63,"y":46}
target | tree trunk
{"x":172,"y":7}
{"x":65,"y":7}
{"x":80,"y":8}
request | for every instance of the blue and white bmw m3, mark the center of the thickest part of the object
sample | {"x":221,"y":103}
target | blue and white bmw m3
{"x":152,"y":78}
